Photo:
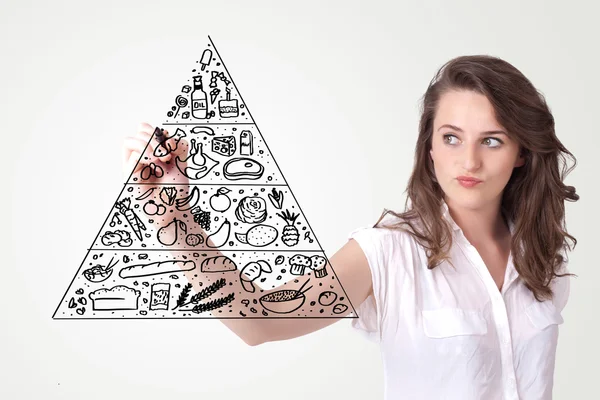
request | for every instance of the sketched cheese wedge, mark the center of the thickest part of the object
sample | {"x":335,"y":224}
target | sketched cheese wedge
{"x":216,"y":232}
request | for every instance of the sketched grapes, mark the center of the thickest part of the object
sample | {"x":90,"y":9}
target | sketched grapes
{"x":202,"y":218}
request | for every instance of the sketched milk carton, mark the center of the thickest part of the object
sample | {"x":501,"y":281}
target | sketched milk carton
{"x":246,"y":145}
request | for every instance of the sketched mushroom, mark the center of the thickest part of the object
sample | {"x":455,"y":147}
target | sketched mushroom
{"x":251,"y":272}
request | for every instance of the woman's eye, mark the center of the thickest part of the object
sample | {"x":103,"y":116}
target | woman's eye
{"x":492,"y":138}
{"x":447,"y":136}
{"x":497,"y":140}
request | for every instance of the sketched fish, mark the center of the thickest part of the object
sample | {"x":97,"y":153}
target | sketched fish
{"x":166,"y":146}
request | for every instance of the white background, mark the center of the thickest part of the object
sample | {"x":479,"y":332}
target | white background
{"x":334,"y":87}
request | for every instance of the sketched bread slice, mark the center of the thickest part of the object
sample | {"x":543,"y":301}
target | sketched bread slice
{"x":117,"y":298}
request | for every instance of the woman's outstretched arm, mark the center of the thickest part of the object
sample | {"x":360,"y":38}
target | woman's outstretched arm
{"x":349,"y":262}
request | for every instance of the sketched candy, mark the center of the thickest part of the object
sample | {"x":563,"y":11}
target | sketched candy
{"x":252,"y":210}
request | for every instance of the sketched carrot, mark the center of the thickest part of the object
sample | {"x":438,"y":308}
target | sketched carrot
{"x":134,"y":221}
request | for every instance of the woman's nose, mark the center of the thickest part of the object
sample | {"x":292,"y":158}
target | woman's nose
{"x":471,"y":157}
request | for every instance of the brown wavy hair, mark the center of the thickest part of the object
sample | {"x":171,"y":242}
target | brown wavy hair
{"x":535,"y":193}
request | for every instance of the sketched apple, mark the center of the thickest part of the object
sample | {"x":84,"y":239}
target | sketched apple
{"x":220,"y":201}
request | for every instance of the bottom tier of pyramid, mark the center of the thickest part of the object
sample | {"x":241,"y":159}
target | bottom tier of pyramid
{"x":119,"y":284}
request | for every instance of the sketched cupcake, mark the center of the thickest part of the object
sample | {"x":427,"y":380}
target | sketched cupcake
{"x":318,"y":264}
{"x":298,"y":263}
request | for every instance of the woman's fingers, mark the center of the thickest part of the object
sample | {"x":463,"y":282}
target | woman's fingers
{"x":182,"y":149}
{"x":133,"y":163}
{"x":145,"y":127}
{"x":147,"y":136}
{"x":133,"y":149}
{"x":139,"y":149}
{"x":131,"y":144}
{"x":145,"y":132}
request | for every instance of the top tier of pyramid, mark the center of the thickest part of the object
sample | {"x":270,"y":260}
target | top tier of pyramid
{"x":224,"y":145}
{"x":209,"y":96}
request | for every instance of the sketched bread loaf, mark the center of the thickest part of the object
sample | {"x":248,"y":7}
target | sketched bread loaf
{"x":217,"y":264}
{"x":156,"y":268}
{"x":118,"y":298}
{"x":242,"y":168}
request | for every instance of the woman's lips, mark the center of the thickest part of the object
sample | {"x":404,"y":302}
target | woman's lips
{"x":468,"y":182}
{"x":468,"y":178}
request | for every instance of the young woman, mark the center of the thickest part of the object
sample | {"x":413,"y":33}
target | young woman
{"x":464,"y":290}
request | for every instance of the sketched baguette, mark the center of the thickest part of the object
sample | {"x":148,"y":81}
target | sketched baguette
{"x":156,"y":268}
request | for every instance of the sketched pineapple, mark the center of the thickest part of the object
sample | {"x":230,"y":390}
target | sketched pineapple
{"x":289,"y":235}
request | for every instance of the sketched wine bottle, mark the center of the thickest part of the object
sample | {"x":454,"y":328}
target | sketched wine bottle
{"x":199,"y":101}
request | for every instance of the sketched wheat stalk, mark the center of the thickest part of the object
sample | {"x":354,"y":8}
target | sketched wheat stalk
{"x":203,"y":294}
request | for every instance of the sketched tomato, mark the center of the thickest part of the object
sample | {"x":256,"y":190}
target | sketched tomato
{"x":151,"y":208}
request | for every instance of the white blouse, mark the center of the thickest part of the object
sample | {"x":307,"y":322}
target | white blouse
{"x":451,"y":334}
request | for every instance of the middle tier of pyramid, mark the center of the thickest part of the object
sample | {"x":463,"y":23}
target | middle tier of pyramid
{"x":206,"y":217}
{"x":217,"y":154}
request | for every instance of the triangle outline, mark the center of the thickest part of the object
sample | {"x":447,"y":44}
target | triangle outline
{"x":129,"y":182}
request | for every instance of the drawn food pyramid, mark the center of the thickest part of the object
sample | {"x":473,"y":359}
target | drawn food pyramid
{"x":213,"y":233}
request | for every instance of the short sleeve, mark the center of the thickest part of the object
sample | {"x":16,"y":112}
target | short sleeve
{"x":370,"y":312}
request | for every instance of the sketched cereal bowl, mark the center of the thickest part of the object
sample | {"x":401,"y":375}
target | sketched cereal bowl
{"x":99,"y":273}
{"x":283,"y":301}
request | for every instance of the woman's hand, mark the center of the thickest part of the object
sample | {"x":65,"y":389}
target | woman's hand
{"x":133,"y":148}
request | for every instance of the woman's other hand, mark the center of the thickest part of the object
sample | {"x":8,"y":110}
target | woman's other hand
{"x":133,"y":148}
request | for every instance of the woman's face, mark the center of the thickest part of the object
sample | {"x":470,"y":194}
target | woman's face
{"x":461,"y":146}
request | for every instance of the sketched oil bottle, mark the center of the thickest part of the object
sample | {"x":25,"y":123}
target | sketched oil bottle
{"x":199,"y":102}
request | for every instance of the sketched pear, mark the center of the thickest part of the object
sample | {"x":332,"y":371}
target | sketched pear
{"x":167,"y":235}
{"x":197,"y":164}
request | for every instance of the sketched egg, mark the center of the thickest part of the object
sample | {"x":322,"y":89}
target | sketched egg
{"x":261,"y":235}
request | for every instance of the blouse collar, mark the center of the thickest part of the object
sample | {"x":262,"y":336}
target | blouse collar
{"x":455,"y":227}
